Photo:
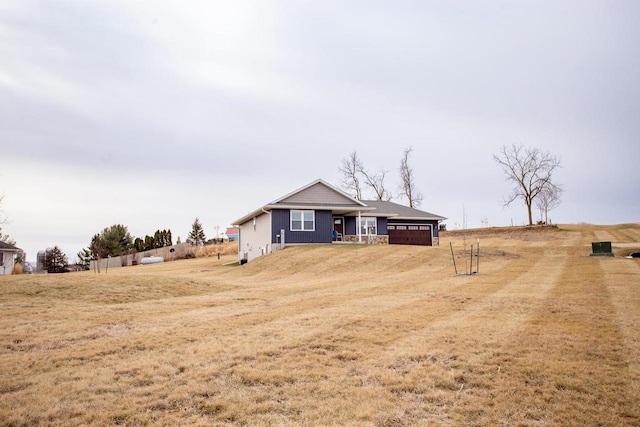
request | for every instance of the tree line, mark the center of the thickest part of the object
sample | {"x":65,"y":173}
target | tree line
{"x":117,"y":241}
{"x":529,"y":169}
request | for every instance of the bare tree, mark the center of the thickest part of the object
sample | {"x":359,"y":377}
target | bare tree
{"x":548,"y":200}
{"x":375,"y":181}
{"x":408,"y":187}
{"x":530,"y":170}
{"x":350,"y":169}
{"x":3,"y":220}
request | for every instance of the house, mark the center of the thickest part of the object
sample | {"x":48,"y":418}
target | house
{"x":320,"y":213}
{"x":232,"y":233}
{"x":408,"y":226}
{"x":8,"y":255}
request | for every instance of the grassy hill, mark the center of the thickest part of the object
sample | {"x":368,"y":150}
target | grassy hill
{"x":336,"y":335}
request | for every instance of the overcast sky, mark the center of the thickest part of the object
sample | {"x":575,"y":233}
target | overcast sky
{"x":152,"y":113}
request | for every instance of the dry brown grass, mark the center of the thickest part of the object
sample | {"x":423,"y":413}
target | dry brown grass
{"x":333,"y":335}
{"x":226,"y":248}
{"x":17,"y":269}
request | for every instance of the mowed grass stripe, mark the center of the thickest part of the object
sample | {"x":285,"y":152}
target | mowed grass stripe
{"x":386,"y":334}
{"x":623,"y":279}
{"x":335,"y":361}
{"x":631,"y":234}
{"x":435,"y":365}
{"x":332,"y":336}
{"x":567,"y":367}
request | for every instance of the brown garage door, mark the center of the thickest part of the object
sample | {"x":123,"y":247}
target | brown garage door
{"x":409,"y":235}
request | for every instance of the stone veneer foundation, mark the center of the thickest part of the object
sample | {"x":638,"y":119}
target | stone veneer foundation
{"x":373,"y":240}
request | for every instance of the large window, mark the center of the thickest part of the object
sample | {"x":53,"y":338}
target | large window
{"x":303,"y":221}
{"x":368,"y":226}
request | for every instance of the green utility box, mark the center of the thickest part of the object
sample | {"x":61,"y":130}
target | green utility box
{"x":601,"y":249}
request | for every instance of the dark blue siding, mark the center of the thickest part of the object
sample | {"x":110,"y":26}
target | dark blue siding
{"x":350,"y":225}
{"x":382,"y":227}
{"x":280,"y":220}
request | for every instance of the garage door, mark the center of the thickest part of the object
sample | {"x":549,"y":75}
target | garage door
{"x":409,"y":234}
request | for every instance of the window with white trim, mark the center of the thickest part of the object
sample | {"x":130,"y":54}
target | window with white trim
{"x":303,"y":221}
{"x":368,"y":226}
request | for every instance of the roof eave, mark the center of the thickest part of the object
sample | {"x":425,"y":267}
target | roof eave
{"x":248,"y":217}
{"x":340,"y":210}
{"x":420,"y":218}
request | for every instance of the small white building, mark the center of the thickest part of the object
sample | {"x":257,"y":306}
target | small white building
{"x":8,"y":254}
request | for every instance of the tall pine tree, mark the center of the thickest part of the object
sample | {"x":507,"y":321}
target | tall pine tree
{"x":196,"y":235}
{"x":55,"y":261}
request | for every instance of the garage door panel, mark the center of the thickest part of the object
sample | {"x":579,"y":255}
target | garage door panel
{"x":410,"y":235}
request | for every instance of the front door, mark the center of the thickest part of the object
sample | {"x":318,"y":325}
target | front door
{"x":338,"y":228}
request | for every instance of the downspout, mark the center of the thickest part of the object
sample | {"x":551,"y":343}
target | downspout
{"x":270,"y":230}
{"x":359,"y":227}
{"x":239,"y":243}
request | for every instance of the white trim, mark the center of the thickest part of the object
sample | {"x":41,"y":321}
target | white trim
{"x":366,"y":219}
{"x":302,"y":219}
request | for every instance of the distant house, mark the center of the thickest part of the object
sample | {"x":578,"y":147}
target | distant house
{"x":8,"y":255}
{"x":232,"y":233}
{"x":320,"y":213}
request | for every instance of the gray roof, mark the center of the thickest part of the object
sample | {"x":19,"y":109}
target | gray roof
{"x":328,"y":197}
{"x":7,"y":247}
{"x":396,"y":211}
{"x":321,"y":195}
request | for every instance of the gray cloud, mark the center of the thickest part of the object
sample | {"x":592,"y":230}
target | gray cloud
{"x":218,"y":107}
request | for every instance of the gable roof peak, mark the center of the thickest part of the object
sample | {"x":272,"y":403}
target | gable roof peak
{"x":324,"y":183}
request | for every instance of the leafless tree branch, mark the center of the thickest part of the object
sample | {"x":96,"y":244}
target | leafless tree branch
{"x":531,"y":172}
{"x":376,"y":183}
{"x":548,"y":200}
{"x":407,"y":181}
{"x":350,"y":169}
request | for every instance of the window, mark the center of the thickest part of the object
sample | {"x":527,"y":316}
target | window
{"x":413,"y":227}
{"x":391,"y":227}
{"x":303,"y":221}
{"x":368,"y":226}
{"x":424,"y":227}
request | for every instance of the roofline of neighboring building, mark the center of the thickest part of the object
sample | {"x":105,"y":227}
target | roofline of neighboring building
{"x":6,"y":247}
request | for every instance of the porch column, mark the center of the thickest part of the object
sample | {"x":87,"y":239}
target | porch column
{"x":359,"y":228}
